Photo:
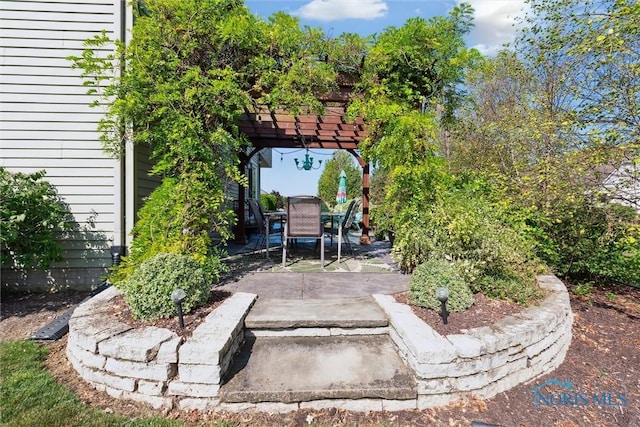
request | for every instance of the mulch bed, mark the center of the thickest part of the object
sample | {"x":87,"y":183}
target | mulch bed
{"x":121,"y":311}
{"x":484,"y":312}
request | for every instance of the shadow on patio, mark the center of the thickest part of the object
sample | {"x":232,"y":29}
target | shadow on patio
{"x":305,"y":257}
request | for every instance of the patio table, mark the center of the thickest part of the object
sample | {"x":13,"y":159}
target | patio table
{"x":335,"y":218}
{"x":274,"y":215}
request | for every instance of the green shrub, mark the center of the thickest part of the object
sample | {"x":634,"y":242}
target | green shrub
{"x":32,"y":219}
{"x":583,"y":289}
{"x":147,"y":291}
{"x":436,"y":273}
{"x":593,"y":242}
{"x":167,"y":224}
{"x":269,"y":202}
{"x":462,"y":225}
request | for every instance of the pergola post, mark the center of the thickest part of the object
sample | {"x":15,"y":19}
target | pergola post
{"x":364,"y":238}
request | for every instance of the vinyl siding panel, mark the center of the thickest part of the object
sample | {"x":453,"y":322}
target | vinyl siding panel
{"x":46,"y":123}
{"x":145,"y":183}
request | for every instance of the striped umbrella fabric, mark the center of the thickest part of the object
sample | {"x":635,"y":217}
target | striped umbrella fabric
{"x":341,"y":196}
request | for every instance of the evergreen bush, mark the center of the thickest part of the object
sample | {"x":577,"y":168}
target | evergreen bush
{"x":591,"y":241}
{"x":436,"y":273}
{"x":147,"y":291}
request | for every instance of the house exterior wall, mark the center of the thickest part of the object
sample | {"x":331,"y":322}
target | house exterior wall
{"x":144,"y":183}
{"x":46,"y":123}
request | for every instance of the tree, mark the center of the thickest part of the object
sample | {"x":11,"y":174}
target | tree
{"x":516,"y":130}
{"x":409,"y":88}
{"x":329,"y":179}
{"x":541,"y":124}
{"x":593,"y":47}
{"x":191,"y":69}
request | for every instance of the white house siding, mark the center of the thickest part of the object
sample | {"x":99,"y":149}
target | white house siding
{"x":46,"y":123}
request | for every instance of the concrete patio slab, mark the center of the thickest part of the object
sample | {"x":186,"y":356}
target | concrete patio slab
{"x":299,"y":369}
{"x":269,"y":285}
{"x":318,"y":285}
{"x":341,"y":285}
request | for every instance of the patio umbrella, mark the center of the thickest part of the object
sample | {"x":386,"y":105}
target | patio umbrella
{"x":341,"y":197}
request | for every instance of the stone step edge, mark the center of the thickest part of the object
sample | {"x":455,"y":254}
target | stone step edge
{"x":277,"y":314}
{"x":316,"y":332}
{"x":305,"y":396}
{"x":358,"y":405}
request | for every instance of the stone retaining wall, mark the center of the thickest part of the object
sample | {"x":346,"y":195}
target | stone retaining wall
{"x":154,"y":366}
{"x":488,"y":360}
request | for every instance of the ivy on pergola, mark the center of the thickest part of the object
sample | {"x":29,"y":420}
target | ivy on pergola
{"x":197,"y":76}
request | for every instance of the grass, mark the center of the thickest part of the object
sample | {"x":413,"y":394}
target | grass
{"x":30,"y":396}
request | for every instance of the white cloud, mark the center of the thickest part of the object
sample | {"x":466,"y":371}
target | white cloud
{"x":334,"y":10}
{"x":495,"y":23}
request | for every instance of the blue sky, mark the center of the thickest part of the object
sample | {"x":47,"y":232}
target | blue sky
{"x":494,"y":26}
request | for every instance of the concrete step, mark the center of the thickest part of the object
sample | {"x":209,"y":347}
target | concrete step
{"x":301,"y":369}
{"x":273,"y":314}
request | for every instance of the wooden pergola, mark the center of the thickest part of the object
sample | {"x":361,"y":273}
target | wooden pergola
{"x":267,"y":128}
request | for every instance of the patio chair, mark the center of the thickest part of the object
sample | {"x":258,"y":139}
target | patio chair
{"x":262,"y":221}
{"x":342,"y":229}
{"x":303,"y":220}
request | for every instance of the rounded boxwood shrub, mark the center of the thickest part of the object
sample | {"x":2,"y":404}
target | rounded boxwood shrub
{"x":147,"y":291}
{"x":436,"y":273}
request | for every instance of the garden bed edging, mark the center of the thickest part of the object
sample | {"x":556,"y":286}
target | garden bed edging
{"x":153,"y":365}
{"x":483,"y":361}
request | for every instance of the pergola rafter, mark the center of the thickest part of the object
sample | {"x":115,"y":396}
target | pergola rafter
{"x":280,"y":129}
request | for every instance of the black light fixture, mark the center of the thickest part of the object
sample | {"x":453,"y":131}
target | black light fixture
{"x":443,"y":296}
{"x":307,"y":164}
{"x":177,"y":296}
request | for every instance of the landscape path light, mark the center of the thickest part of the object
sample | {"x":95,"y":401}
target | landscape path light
{"x":443,"y":296}
{"x":177,"y":296}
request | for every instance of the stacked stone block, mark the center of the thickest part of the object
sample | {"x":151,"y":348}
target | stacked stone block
{"x":483,"y":361}
{"x":153,"y":365}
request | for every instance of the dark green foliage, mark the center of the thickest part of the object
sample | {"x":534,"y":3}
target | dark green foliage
{"x":32,"y":219}
{"x":434,"y":274}
{"x":461,"y":225}
{"x":423,"y":59}
{"x":547,"y":121}
{"x":269,"y":202}
{"x":174,"y":220}
{"x":192,"y":69}
{"x":147,"y":290}
{"x":280,"y":201}
{"x":593,"y":242}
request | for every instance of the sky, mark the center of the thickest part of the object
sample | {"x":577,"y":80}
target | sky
{"x":494,"y":26}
